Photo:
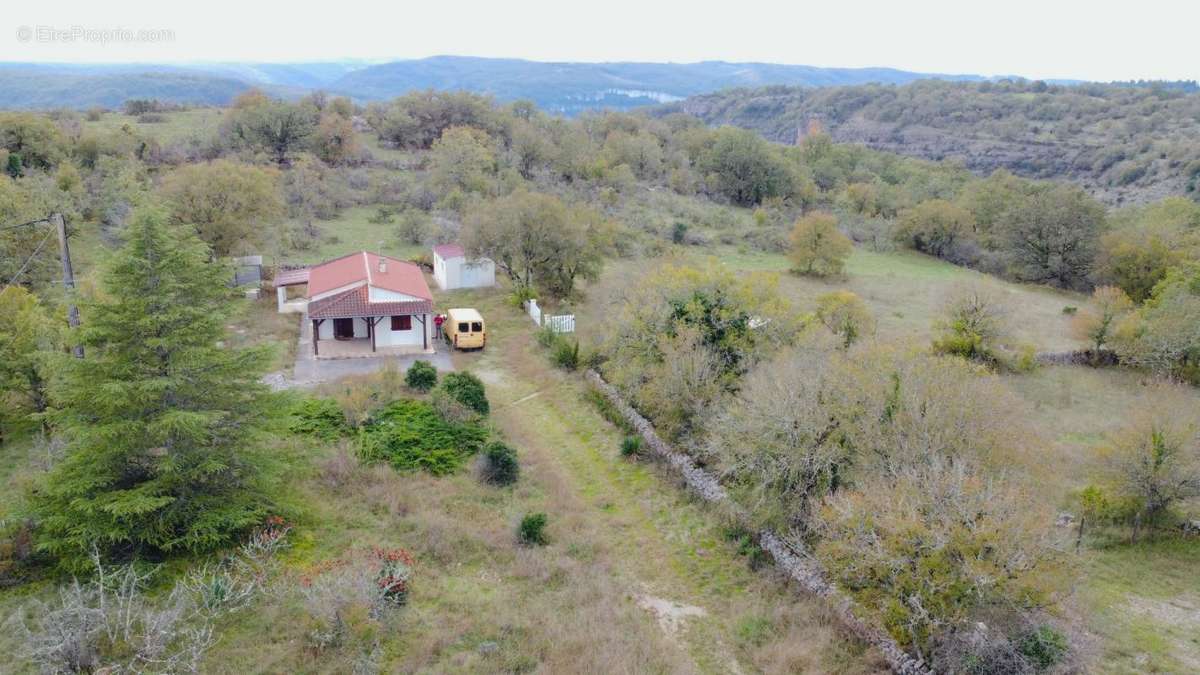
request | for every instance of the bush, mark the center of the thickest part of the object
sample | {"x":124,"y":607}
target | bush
{"x":631,"y":446}
{"x":16,"y":553}
{"x":520,"y":295}
{"x":320,"y":417}
{"x":679,"y":232}
{"x":421,"y":376}
{"x":1043,"y":646}
{"x":546,"y":337}
{"x":501,"y":466}
{"x":566,"y":354}
{"x":532,"y":530}
{"x":412,"y":435}
{"x":467,"y":390}
{"x":972,"y":324}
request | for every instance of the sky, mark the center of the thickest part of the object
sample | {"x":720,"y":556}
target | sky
{"x":1043,"y":39}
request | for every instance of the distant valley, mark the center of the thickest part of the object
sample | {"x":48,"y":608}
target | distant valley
{"x":563,"y":88}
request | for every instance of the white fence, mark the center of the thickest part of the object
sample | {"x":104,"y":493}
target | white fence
{"x":562,"y":323}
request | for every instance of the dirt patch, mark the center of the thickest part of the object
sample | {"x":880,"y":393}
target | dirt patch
{"x":671,"y":615}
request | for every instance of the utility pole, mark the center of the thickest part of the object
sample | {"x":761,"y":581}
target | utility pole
{"x":68,"y":277}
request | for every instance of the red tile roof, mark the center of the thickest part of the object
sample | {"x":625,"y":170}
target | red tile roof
{"x":399,"y":276}
{"x":446,"y":251}
{"x":356,"y":302}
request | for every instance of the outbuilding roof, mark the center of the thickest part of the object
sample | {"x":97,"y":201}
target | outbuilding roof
{"x":393,"y":275}
{"x":447,"y":251}
{"x":292,"y":277}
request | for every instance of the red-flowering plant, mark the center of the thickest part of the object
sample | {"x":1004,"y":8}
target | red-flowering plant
{"x":395,"y":571}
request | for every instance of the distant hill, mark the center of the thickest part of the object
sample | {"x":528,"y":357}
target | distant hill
{"x":571,"y":88}
{"x":564,"y":88}
{"x":27,"y":86}
{"x":1123,"y":142}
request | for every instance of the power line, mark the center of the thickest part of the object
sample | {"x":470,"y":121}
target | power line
{"x":32,"y":222}
{"x":27,"y":261}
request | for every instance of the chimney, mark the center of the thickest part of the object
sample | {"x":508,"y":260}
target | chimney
{"x":382,"y":265}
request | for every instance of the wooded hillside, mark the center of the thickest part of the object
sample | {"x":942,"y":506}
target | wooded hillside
{"x":1122,"y":143}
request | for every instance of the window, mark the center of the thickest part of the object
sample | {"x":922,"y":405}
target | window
{"x":403,"y":322}
{"x":463,"y":327}
{"x":476,"y":327}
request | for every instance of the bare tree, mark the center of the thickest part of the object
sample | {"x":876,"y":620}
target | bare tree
{"x":1154,"y":459}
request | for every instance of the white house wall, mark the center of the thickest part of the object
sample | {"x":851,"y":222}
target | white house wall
{"x":383,"y":295}
{"x":451,"y":273}
{"x":478,"y":274}
{"x":439,"y":272}
{"x":386,"y":337}
{"x":326,"y":329}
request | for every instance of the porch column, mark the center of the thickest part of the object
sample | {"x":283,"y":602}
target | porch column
{"x":316,"y":327}
{"x":371,"y":331}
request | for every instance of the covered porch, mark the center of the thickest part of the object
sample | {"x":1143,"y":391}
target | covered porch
{"x":367,"y":336}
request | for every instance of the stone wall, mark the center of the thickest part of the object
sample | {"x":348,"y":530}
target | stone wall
{"x":799,"y":565}
{"x":1081,"y":357}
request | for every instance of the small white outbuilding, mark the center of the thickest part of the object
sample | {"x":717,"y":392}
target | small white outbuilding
{"x":452,"y":269}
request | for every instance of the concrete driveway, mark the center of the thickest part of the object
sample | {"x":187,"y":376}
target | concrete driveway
{"x":310,"y":371}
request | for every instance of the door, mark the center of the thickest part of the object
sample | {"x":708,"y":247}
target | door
{"x":343,"y":329}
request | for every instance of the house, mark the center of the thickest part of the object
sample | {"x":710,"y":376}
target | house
{"x":452,"y":269}
{"x":362,"y":304}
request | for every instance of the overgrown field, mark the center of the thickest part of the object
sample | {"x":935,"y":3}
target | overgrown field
{"x":1133,"y":607}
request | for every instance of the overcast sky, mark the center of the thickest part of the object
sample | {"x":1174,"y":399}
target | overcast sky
{"x":1095,"y":40}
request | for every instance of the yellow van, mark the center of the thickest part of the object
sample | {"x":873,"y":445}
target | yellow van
{"x":464,"y":328}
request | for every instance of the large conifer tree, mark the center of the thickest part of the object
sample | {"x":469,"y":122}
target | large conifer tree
{"x":161,"y":418}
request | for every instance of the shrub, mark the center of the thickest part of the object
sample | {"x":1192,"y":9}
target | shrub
{"x":384,"y":215}
{"x":421,"y":376}
{"x":412,"y":435}
{"x":631,"y":446}
{"x":320,"y":417}
{"x":679,"y":232}
{"x":467,"y":390}
{"x":520,"y":295}
{"x":16,"y":552}
{"x":1043,"y":646}
{"x":972,"y":323}
{"x":1022,"y":360}
{"x":501,"y":466}
{"x":566,"y":354}
{"x":347,"y":599}
{"x":546,"y":337}
{"x":1070,"y":310}
{"x":532,"y":530}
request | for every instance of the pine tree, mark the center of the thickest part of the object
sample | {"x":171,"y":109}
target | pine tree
{"x":26,"y":334}
{"x":161,"y":419}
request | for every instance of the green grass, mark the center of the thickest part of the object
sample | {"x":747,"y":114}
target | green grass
{"x":351,"y":231}
{"x":905,"y":292}
{"x":1131,"y":597}
{"x":1144,"y":602}
{"x":198,"y":123}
